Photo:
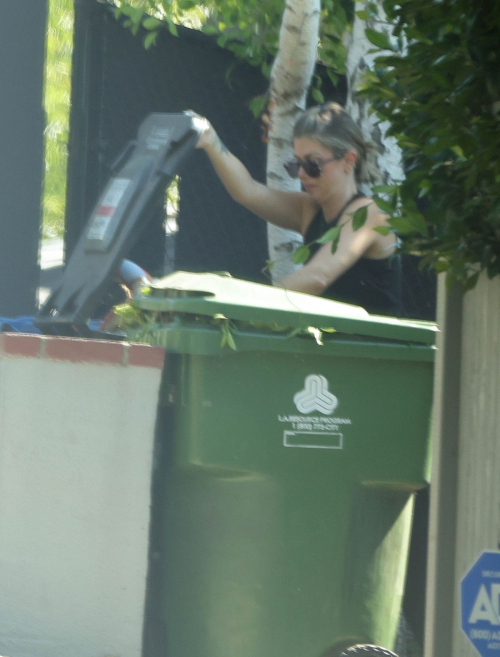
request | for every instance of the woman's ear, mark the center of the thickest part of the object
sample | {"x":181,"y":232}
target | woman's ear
{"x":351,"y":157}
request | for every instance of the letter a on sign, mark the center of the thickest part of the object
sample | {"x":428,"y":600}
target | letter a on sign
{"x":483,"y":609}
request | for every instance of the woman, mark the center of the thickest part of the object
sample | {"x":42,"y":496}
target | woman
{"x":331,"y":160}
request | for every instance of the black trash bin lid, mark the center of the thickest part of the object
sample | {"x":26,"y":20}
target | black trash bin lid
{"x":145,"y":169}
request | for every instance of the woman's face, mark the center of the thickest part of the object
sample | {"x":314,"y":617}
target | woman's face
{"x":333,"y":171}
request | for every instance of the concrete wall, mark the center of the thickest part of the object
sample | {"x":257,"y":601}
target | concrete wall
{"x":76,"y":443}
{"x":465,"y":489}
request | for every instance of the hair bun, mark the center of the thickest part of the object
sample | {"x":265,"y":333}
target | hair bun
{"x":369,"y":171}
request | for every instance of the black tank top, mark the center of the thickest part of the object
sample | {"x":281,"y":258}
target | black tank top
{"x":373,"y":284}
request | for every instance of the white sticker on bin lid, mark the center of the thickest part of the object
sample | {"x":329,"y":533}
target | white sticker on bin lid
{"x":106,"y":209}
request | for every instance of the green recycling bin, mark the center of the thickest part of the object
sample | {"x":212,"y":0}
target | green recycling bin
{"x":298,"y":434}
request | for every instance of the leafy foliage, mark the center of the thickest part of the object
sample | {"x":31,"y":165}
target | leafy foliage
{"x":250,"y":29}
{"x":152,"y":326}
{"x":437,"y":82}
{"x":57,"y":101}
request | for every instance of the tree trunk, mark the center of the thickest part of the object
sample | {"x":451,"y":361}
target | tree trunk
{"x":290,"y":79}
{"x":358,"y":61}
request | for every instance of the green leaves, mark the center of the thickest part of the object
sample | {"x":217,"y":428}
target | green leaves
{"x":56,"y":104}
{"x":385,"y":189}
{"x":385,"y":206}
{"x":317,"y":95}
{"x":437,"y":94}
{"x":301,"y":254}
{"x":331,"y":235}
{"x":401,"y":224}
{"x":378,"y":39}
{"x":151,"y":23}
{"x":258,"y":104}
{"x":382,"y":230}
{"x":417,"y":221}
{"x":150,"y":39}
{"x":249,"y":29}
{"x":172,"y":27}
{"x":425,"y":186}
{"x":227,"y":338}
{"x":227,"y":329}
{"x":359,"y":217}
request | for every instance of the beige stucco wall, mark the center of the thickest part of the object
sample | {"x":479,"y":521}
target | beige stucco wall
{"x":478,"y":492}
{"x":76,"y":442}
{"x":465,"y":489}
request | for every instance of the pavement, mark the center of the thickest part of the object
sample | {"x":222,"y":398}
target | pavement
{"x":52,"y":253}
{"x":51,"y":264}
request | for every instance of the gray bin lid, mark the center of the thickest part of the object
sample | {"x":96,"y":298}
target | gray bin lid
{"x":210,"y":294}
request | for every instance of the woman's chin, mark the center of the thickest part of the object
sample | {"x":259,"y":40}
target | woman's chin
{"x":312,"y":190}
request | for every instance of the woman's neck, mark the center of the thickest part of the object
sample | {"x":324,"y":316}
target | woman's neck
{"x":337,"y":200}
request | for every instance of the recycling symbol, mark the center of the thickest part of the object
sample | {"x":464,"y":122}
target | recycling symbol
{"x":315,"y":396}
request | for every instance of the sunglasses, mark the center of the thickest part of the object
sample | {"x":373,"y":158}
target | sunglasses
{"x":312,"y":168}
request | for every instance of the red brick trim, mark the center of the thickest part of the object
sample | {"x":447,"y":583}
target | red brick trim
{"x":81,"y":350}
{"x":144,"y":355}
{"x":20,"y":344}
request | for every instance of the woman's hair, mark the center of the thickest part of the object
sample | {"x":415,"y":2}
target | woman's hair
{"x":332,"y":127}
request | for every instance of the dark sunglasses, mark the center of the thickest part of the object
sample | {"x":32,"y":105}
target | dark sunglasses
{"x":312,"y":168}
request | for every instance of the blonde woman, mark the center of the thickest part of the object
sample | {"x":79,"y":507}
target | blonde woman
{"x":331,"y":160}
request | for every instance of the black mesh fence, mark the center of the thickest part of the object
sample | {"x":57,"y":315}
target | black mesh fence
{"x":116,"y":84}
{"x":419,"y":290}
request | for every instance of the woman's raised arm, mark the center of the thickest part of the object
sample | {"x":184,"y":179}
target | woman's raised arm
{"x":285,"y":209}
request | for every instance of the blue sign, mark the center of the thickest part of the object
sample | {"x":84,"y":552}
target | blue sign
{"x":481,"y":604}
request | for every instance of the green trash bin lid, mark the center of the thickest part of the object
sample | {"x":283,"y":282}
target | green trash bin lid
{"x":211,"y":294}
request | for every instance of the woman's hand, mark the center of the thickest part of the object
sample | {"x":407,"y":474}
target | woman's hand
{"x":208,"y":136}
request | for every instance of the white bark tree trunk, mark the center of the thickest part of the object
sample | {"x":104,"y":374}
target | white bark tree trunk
{"x":358,"y":61}
{"x":290,"y":79}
